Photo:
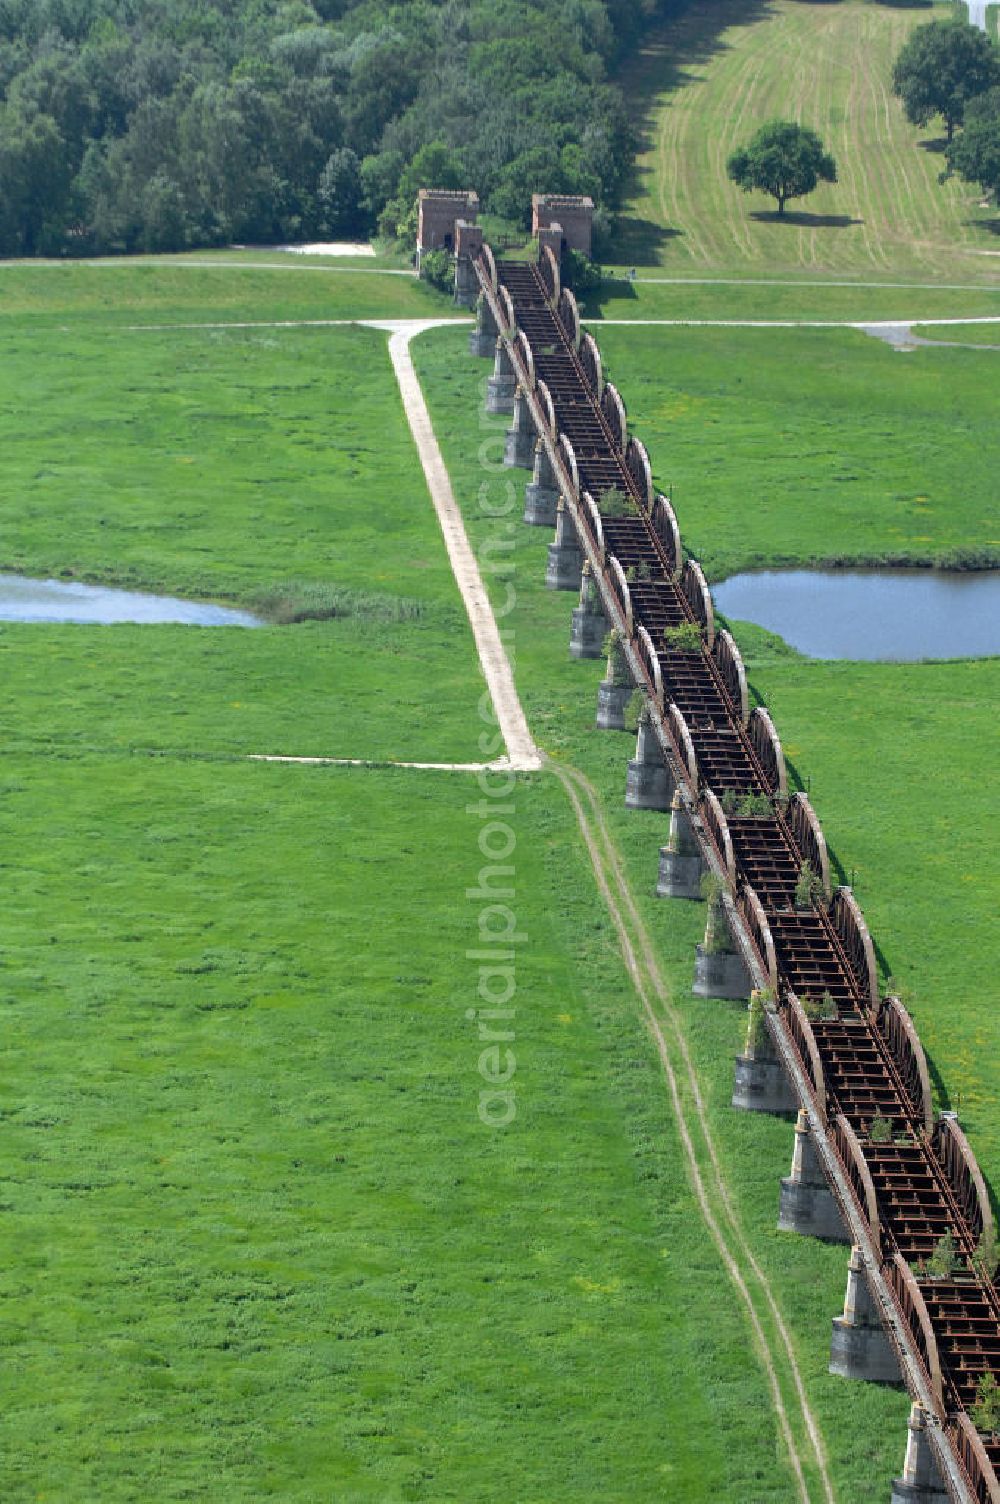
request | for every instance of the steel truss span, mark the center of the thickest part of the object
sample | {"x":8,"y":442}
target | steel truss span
{"x":854,"y":1058}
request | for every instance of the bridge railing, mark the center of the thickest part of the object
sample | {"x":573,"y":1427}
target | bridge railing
{"x":964,"y":1175}
{"x":809,"y":838}
{"x":729,"y":662}
{"x":896,"y":1028}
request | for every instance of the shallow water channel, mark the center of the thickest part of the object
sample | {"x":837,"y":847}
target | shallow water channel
{"x":23,"y":599}
{"x":898,"y":615}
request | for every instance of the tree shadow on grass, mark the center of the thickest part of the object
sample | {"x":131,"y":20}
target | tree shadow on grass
{"x":637,"y":242}
{"x":605,"y":300}
{"x":991,"y":226}
{"x":934,"y":143}
{"x":805,"y":220}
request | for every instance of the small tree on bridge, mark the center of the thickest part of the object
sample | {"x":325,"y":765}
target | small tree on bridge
{"x":785,"y":160}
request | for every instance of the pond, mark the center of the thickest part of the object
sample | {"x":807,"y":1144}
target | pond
{"x":24,"y":599}
{"x":898,"y":615}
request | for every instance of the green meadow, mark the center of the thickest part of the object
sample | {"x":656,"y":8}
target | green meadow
{"x":782,"y":446}
{"x":200,"y":290}
{"x":257,"y":1241}
{"x":965,"y":334}
{"x":655,"y":295}
{"x":222,"y":464}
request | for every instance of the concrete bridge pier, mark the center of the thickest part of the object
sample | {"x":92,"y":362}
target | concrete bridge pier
{"x":681,"y":865}
{"x":483,"y":339}
{"x":519,"y":444}
{"x":541,"y":494}
{"x":590,"y":625}
{"x":759,"y":1081}
{"x":719,"y":969}
{"x":614,"y":691}
{"x":500,"y":386}
{"x":648,"y":784}
{"x":859,"y":1347}
{"x":921,"y":1481}
{"x":807,"y":1204}
{"x":564,"y":570}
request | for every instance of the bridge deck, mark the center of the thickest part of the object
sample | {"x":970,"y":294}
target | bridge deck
{"x":816,"y":963}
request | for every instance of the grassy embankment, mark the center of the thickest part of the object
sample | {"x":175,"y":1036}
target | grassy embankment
{"x":207,"y":289}
{"x":702,"y":85}
{"x":924,"y":874}
{"x":257,"y":1243}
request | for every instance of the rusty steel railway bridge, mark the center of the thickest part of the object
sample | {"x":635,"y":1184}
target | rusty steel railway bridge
{"x":897,"y":1198}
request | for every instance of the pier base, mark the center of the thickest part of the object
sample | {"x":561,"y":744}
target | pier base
{"x":614,"y":691}
{"x":681,"y":865}
{"x":500,"y":387}
{"x":760,"y":1085}
{"x":807,"y":1204}
{"x":648,"y":784}
{"x":720,"y":974}
{"x":719,"y":969}
{"x":541,"y":494}
{"x":921,"y":1481}
{"x":859,"y":1347}
{"x":590,"y":625}
{"x":483,"y":339}
{"x":519,"y":444}
{"x":564,"y":570}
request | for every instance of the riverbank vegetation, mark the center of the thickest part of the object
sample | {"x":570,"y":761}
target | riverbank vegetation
{"x":219,"y":463}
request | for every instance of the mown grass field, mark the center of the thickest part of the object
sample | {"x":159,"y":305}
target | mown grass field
{"x":720,"y":69}
{"x":919,"y":839}
{"x":966,"y":334}
{"x":783,"y":446}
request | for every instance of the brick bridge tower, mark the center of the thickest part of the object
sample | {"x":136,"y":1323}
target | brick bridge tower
{"x":562,"y":221}
{"x":438,"y":213}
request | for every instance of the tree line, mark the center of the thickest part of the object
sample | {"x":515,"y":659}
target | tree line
{"x":156,"y":125}
{"x":952,"y":70}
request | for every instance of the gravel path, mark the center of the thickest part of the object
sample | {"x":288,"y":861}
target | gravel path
{"x":522,"y":753}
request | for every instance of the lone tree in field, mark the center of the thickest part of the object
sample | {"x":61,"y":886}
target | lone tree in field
{"x":783,"y":159}
{"x":940,"y":68}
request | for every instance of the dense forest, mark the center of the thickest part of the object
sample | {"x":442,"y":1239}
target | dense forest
{"x":145,"y":125}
